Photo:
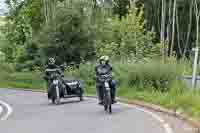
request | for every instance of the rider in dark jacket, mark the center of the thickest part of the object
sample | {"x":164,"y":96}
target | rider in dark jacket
{"x":104,"y":68}
{"x":51,"y":65}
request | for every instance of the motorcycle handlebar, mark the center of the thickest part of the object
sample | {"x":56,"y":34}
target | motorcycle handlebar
{"x":105,"y":78}
{"x":51,"y":70}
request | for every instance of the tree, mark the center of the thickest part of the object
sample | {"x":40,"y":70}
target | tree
{"x":162,"y":31}
{"x":181,"y":40}
{"x":121,"y":7}
{"x":127,"y":38}
{"x":173,"y":28}
{"x":68,"y":37}
{"x":197,"y":13}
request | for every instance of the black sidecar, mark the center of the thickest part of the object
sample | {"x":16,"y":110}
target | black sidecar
{"x":60,"y":87}
{"x":73,"y":88}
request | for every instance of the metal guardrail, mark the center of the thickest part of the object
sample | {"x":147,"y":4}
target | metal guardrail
{"x":187,"y":80}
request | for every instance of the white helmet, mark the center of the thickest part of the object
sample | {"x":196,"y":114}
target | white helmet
{"x":104,"y":58}
{"x":52,"y":61}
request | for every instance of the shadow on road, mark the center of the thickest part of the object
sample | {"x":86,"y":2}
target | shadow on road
{"x":66,"y":101}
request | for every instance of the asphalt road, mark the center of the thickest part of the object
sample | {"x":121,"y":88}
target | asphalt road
{"x":33,"y":113}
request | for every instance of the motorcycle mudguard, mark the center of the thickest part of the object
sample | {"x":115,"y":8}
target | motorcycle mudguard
{"x":52,"y":91}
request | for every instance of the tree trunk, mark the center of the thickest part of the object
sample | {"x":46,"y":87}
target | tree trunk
{"x":162,"y":32}
{"x":173,"y":29}
{"x":178,"y":34}
{"x":45,"y":10}
{"x":197,"y":39}
{"x":169,"y":22}
{"x":197,"y":23}
{"x":189,"y":30}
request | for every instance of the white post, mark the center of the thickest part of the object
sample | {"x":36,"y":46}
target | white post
{"x":196,"y":50}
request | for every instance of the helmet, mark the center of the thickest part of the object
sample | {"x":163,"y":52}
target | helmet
{"x":104,"y":58}
{"x":51,"y":61}
{"x":101,"y":58}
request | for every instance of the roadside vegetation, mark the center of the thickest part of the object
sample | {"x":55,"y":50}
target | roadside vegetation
{"x":147,"y":52}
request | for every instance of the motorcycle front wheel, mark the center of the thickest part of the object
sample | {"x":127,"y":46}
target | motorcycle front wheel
{"x":57,"y":100}
{"x":108,"y":102}
{"x":53,"y":99}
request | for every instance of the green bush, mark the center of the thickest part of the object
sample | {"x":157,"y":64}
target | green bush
{"x":148,"y":75}
{"x":85,"y":72}
{"x":22,"y":80}
{"x":7,"y":67}
{"x":26,"y":66}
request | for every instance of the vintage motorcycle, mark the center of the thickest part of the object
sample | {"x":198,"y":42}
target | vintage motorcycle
{"x":58,"y":87}
{"x":107,"y":99}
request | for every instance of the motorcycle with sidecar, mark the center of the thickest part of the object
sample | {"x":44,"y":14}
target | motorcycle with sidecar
{"x":58,"y":87}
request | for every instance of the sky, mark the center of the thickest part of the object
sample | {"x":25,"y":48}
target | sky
{"x":2,"y":7}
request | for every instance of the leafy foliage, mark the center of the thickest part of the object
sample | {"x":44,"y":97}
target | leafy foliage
{"x":127,"y":38}
{"x":22,"y":22}
{"x":121,"y":8}
{"x":69,"y":37}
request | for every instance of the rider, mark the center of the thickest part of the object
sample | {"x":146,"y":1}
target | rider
{"x":105,"y":67}
{"x":51,"y":65}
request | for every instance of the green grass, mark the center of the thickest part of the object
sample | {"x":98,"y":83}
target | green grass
{"x":22,"y":80}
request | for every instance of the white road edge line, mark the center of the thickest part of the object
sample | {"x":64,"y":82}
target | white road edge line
{"x":164,"y":124}
{"x":9,"y":110}
{"x":1,"y":109}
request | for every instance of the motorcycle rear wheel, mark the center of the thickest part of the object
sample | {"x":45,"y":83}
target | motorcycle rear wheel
{"x":81,"y":95}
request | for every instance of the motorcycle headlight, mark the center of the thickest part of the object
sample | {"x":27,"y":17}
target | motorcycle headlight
{"x":55,"y":82}
{"x":106,"y":84}
{"x":73,"y":83}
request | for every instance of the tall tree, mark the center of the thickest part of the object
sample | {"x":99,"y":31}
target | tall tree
{"x":173,"y":28}
{"x":162,"y":32}
{"x":197,"y":13}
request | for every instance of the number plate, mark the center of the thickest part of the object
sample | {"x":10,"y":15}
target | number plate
{"x":108,"y":88}
{"x":55,"y":81}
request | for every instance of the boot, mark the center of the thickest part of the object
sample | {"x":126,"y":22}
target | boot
{"x":113,"y":96}
{"x":100,"y":95}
